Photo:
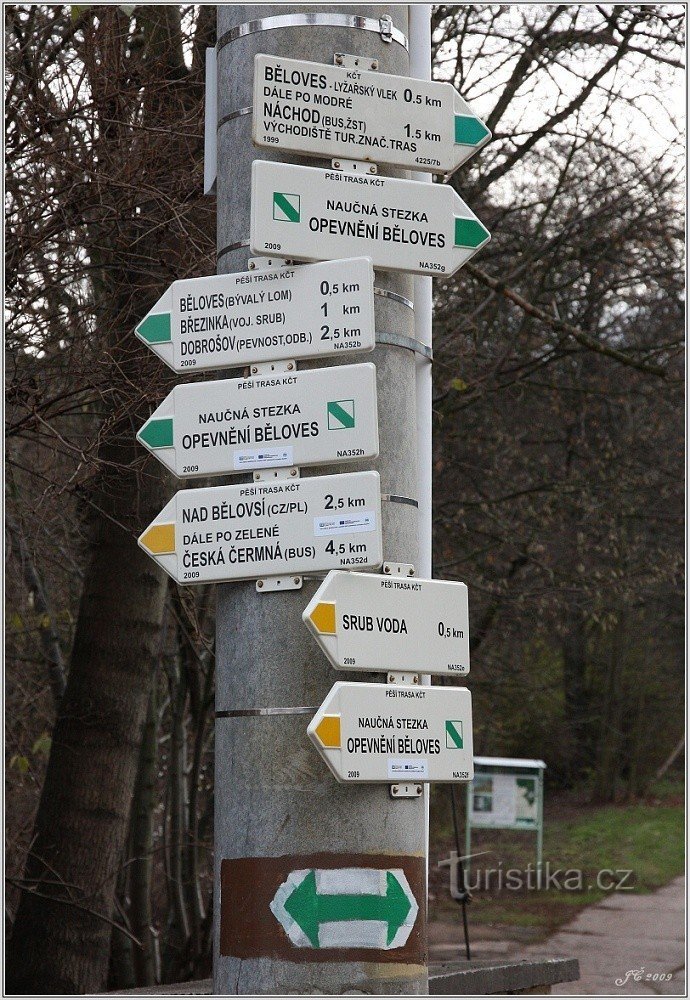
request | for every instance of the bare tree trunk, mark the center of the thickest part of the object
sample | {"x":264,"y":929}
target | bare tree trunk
{"x":61,"y":935}
{"x":179,"y":926}
{"x":142,"y":849}
{"x":50,"y":641}
{"x":609,"y":743}
{"x":121,"y":967}
{"x":575,"y":693}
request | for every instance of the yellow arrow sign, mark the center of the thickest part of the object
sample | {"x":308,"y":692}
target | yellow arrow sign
{"x":323,"y":617}
{"x":159,"y":539}
{"x":328,"y":731}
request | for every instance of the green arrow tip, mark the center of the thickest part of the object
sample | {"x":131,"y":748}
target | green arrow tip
{"x":470,"y":131}
{"x":302,"y":905}
{"x":398,"y":905}
{"x":157,"y":433}
{"x":470,"y":233}
{"x":155,"y":328}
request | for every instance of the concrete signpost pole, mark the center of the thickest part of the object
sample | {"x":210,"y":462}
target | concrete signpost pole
{"x":289,"y":840}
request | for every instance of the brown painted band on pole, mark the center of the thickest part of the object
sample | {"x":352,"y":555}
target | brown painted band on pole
{"x":249,"y":929}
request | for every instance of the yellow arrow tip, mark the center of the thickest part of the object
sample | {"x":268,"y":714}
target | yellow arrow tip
{"x":159,"y":539}
{"x":328,"y":731}
{"x":323,"y":617}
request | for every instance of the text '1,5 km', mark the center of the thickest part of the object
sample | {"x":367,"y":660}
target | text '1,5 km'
{"x":328,"y":111}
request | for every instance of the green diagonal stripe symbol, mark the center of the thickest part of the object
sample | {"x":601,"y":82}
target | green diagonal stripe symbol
{"x":286,"y":206}
{"x":157,"y":433}
{"x":341,"y":414}
{"x":470,"y":233}
{"x":155,"y":329}
{"x":454,"y":734}
{"x":469,"y":131}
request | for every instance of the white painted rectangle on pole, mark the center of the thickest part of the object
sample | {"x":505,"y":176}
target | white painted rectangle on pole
{"x":314,"y":417}
{"x":269,"y":314}
{"x":355,"y":113}
{"x":366,"y":621}
{"x":312,"y":214}
{"x":395,"y":733}
{"x":248,"y":531}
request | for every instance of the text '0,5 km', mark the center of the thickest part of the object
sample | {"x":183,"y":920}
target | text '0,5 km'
{"x":365,"y":621}
{"x":330,"y":111}
{"x":270,"y":314}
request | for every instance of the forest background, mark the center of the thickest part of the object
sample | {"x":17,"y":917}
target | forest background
{"x":558,"y":446}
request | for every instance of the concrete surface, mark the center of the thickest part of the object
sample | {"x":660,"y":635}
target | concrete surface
{"x":625,"y":933}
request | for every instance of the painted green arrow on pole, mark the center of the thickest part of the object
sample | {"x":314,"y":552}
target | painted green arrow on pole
{"x":309,"y":909}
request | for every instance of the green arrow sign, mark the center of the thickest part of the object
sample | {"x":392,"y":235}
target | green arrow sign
{"x":302,"y":906}
{"x":155,"y":328}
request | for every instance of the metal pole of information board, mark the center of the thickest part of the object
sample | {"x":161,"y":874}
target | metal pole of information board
{"x":278,"y":810}
{"x":540,"y":825}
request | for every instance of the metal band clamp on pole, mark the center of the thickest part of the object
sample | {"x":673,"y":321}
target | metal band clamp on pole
{"x":409,"y":343}
{"x":393,"y":498}
{"x":381,"y":27}
{"x":243,"y":713}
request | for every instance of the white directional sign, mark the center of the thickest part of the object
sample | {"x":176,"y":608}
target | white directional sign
{"x":269,"y":314}
{"x":367,"y":622}
{"x":391,"y":733}
{"x":265,"y":422}
{"x":268,"y":529}
{"x":313,"y":214}
{"x":330,"y":111}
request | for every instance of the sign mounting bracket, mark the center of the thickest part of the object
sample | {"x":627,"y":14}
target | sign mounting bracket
{"x":405,"y":789}
{"x":348,"y":61}
{"x":273,"y":584}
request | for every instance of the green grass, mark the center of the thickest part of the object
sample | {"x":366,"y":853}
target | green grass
{"x":646,"y":837}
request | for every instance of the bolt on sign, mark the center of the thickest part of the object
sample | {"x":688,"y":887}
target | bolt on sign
{"x":325,"y":415}
{"x":244,"y":532}
{"x":365,"y":621}
{"x":312,"y":214}
{"x":323,"y":907}
{"x":336,"y":111}
{"x":392,"y":733}
{"x":269,"y":314}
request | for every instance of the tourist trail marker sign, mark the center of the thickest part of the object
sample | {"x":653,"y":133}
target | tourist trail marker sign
{"x":364,"y":621}
{"x":397,"y":733}
{"x":326,"y":415}
{"x":269,"y":314}
{"x":312,"y":214}
{"x":336,"y":111}
{"x":254,"y":530}
{"x":346,"y":908}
